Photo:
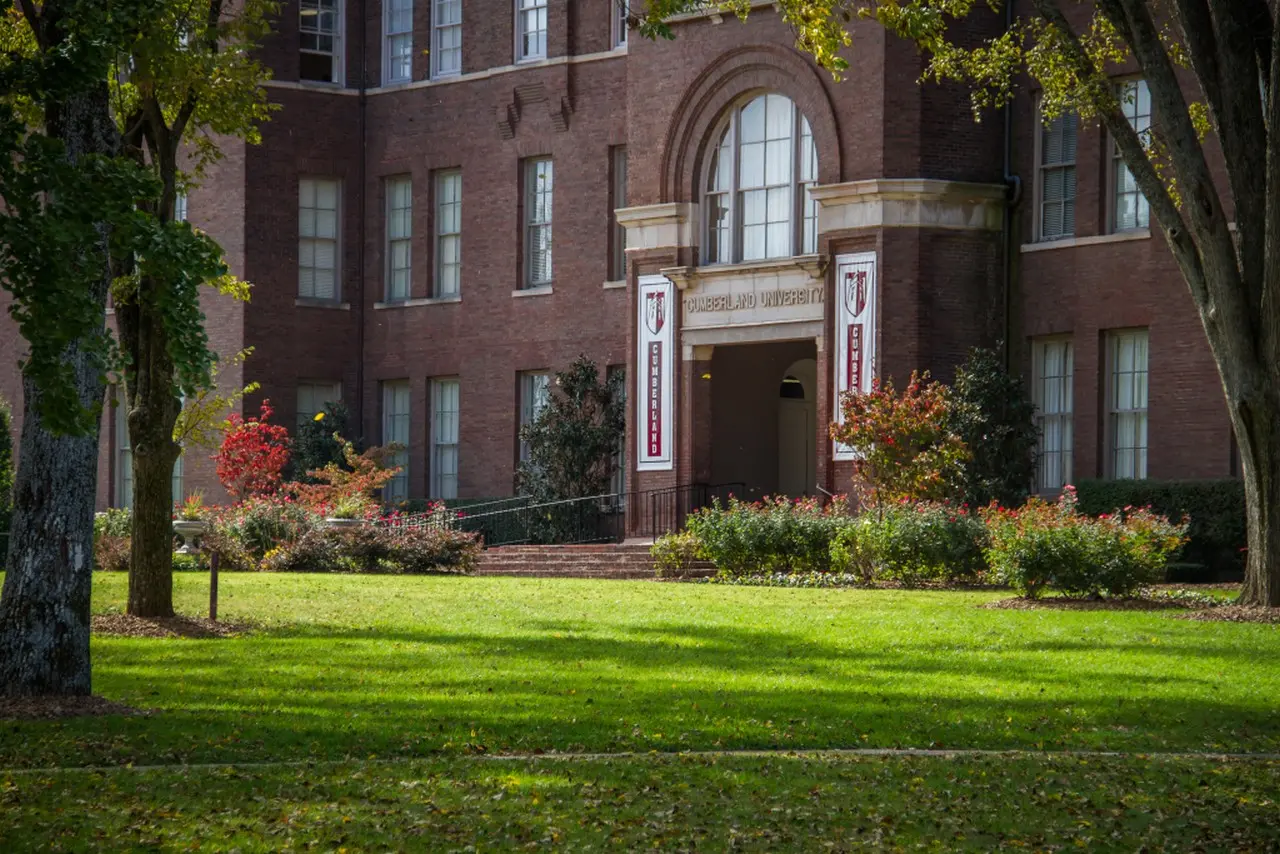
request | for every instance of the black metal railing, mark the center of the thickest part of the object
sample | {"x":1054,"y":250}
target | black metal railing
{"x":667,"y":509}
{"x":592,"y":519}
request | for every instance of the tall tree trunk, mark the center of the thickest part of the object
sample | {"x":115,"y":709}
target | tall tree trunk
{"x":153,"y":408}
{"x":1257,"y":426}
{"x":44,"y":607}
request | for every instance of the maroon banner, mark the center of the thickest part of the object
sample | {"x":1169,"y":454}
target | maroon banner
{"x":655,"y":399}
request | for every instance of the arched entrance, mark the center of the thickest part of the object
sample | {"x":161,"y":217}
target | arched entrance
{"x":797,"y":429}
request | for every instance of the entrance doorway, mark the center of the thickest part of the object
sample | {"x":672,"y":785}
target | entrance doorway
{"x":763,"y":417}
{"x":797,"y":428}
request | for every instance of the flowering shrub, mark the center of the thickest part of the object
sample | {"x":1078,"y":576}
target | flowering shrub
{"x":1051,"y":545}
{"x":674,"y":555}
{"x":112,"y":530}
{"x":370,"y":548}
{"x":250,"y":529}
{"x":347,"y":492}
{"x":773,"y":535}
{"x":905,"y":447}
{"x":253,"y":455}
{"x":912,"y":543}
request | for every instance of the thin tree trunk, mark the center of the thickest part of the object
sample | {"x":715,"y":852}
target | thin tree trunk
{"x":44,"y":607}
{"x":153,"y":409}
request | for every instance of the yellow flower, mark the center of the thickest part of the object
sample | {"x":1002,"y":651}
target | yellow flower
{"x":319,"y":416}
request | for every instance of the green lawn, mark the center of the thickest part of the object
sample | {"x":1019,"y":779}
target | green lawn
{"x":431,"y":671}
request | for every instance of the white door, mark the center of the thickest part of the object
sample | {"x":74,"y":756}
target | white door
{"x":795,"y":446}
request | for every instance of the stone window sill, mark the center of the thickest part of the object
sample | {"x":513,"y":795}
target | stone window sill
{"x":615,"y":285}
{"x":304,"y":302}
{"x":543,"y":291}
{"x":407,"y":303}
{"x":1072,"y":242}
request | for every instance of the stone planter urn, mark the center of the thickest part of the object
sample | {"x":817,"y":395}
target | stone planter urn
{"x":335,"y":522}
{"x":189,"y":530}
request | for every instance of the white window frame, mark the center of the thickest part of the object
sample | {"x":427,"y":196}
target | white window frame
{"x":180,"y":207}
{"x":1128,"y":425}
{"x":395,"y":423}
{"x":534,"y":7}
{"x":393,"y":72}
{"x":338,"y":55}
{"x":621,"y":11}
{"x":447,"y":228}
{"x":1043,"y":168}
{"x":318,"y":395}
{"x":618,"y":195}
{"x":1054,"y":398}
{"x":801,"y":221}
{"x":335,"y":240}
{"x":534,"y":224}
{"x":445,"y":435}
{"x":1130,"y":95}
{"x":535,"y":391}
{"x":437,"y":31}
{"x":398,"y":231}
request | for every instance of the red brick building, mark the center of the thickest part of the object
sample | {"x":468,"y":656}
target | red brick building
{"x":458,"y":197}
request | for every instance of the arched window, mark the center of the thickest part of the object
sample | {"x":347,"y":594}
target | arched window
{"x":757,"y":184}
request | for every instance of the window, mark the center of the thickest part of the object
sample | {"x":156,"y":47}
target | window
{"x":318,"y":239}
{"x":618,"y":243}
{"x":1054,"y":365}
{"x":315,"y":397}
{"x":446,"y":38}
{"x":531,"y":29}
{"x":399,"y":237}
{"x":395,"y":430}
{"x":621,"y":11}
{"x":444,"y":439}
{"x":175,"y":482}
{"x":757,"y":184}
{"x":1058,"y":178}
{"x":124,"y":451}
{"x":448,"y":226}
{"x":320,"y":41}
{"x":398,"y":47}
{"x":1129,"y":206}
{"x":180,"y":207}
{"x":1128,"y":396}
{"x":537,"y":218}
{"x":535,"y":386}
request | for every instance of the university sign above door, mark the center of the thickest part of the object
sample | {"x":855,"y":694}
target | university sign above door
{"x":761,"y":293}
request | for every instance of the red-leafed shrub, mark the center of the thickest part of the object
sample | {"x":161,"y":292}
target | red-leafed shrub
{"x":253,"y":455}
{"x":906,"y":449}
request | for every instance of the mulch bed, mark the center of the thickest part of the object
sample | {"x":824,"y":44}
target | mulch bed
{"x":1234,"y":614}
{"x":123,"y":625}
{"x":1057,"y":603}
{"x":52,"y":708}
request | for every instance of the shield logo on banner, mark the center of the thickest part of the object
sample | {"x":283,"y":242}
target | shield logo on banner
{"x":655,"y":312}
{"x":855,"y":292}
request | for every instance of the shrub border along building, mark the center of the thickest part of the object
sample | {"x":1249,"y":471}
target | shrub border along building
{"x":1216,"y":548}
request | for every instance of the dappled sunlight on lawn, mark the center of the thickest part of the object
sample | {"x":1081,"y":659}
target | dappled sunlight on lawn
{"x":356,"y":666}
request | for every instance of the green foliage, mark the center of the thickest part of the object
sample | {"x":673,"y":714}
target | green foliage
{"x":1217,"y":536}
{"x":114,"y":522}
{"x":1042,"y":545}
{"x":6,"y":467}
{"x":377,"y":549}
{"x":257,"y":525}
{"x":773,"y":535}
{"x":574,"y":439}
{"x":674,"y":555}
{"x":203,"y":419}
{"x":316,"y":443}
{"x":911,"y":544}
{"x":994,"y":417}
{"x":906,"y":447}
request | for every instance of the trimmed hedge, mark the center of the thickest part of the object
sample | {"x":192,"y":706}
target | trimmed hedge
{"x":1216,"y":508}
